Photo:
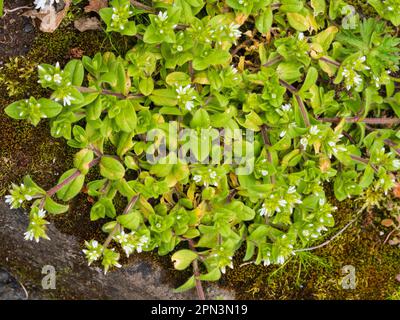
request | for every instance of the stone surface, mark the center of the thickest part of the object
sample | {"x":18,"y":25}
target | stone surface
{"x":74,"y":279}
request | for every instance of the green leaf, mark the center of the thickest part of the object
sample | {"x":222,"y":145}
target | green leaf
{"x":102,"y":208}
{"x":111,"y":168}
{"x":311,"y":78}
{"x":189,"y":284}
{"x":146,"y":86}
{"x":264,"y":20}
{"x":82,"y":160}
{"x":76,"y":72}
{"x":213,"y":275}
{"x":183,"y":258}
{"x":177,"y":79}
{"x":53,"y":207}
{"x":200,"y":119}
{"x":298,"y":21}
{"x":72,"y":188}
{"x":131,"y":220}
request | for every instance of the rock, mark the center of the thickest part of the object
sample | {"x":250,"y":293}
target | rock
{"x":10,"y":289}
{"x":28,"y":28}
{"x":139,"y":279}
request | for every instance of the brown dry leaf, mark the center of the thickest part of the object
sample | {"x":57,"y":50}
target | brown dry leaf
{"x":50,"y":19}
{"x":96,"y":5}
{"x":387,"y":222}
{"x":396,"y":190}
{"x":85,"y":24}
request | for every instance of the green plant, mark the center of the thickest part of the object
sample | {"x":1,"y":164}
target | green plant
{"x":319,"y":107}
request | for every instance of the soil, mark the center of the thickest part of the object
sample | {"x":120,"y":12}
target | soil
{"x":16,"y":31}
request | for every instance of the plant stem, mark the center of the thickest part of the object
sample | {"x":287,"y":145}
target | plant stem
{"x":272,"y":61}
{"x":128,"y":208}
{"x":335,"y":236}
{"x":393,"y":145}
{"x":109,"y":92}
{"x":387,"y":121}
{"x":365,"y":161}
{"x":332,"y":62}
{"x":76,"y":174}
{"x":142,"y":6}
{"x":267,"y":142}
{"x":199,"y":287}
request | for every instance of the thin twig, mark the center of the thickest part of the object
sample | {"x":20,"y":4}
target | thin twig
{"x":199,"y":287}
{"x":335,"y":236}
{"x":382,"y":121}
{"x":15,"y":9}
{"x":142,"y":6}
{"x":332,"y":62}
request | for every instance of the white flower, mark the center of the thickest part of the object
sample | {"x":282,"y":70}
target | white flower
{"x":182,"y":90}
{"x":128,"y":248}
{"x":301,"y":36}
{"x":67,"y":100}
{"x":44,"y":4}
{"x":162,"y":16}
{"x":213,"y":175}
{"x":122,"y":237}
{"x":263,"y":210}
{"x":282,"y":134}
{"x":234,"y":30}
{"x":396,"y":164}
{"x":41,"y":213}
{"x":189,"y":105}
{"x":304,"y":142}
{"x":280,"y":259}
{"x":9,"y":200}
{"x":286,"y":107}
{"x":291,"y":189}
{"x":29,"y":236}
{"x":314,"y":130}
{"x":264,"y":173}
{"x":282,"y":203}
{"x":197,"y":178}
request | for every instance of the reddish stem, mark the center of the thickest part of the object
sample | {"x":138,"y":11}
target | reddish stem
{"x":76,"y":174}
{"x":199,"y":287}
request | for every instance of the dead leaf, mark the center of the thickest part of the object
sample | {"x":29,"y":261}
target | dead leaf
{"x":96,"y":5}
{"x":50,"y":19}
{"x":85,"y":24}
{"x":387,"y":222}
{"x":76,"y":53}
{"x":396,"y":190}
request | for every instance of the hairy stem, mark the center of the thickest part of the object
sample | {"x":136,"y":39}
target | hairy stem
{"x":109,"y":92}
{"x":332,"y":62}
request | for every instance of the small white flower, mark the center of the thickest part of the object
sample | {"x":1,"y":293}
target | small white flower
{"x":396,"y":164}
{"x":42,"y":213}
{"x":280,"y":259}
{"x":29,"y":235}
{"x":9,"y":199}
{"x":282,"y":134}
{"x":264,"y":173}
{"x":197,"y":178}
{"x":304,"y":142}
{"x":162,"y":16}
{"x":291,"y":189}
{"x":314,"y":130}
{"x":301,"y":36}
{"x":67,"y":100}
{"x":234,"y":30}
{"x":189,"y":105}
{"x":179,"y":48}
{"x":263,"y":210}
{"x":213,"y":175}
{"x":286,"y":107}
{"x":282,"y":203}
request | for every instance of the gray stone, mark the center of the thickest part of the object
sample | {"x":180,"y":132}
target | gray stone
{"x":139,"y":279}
